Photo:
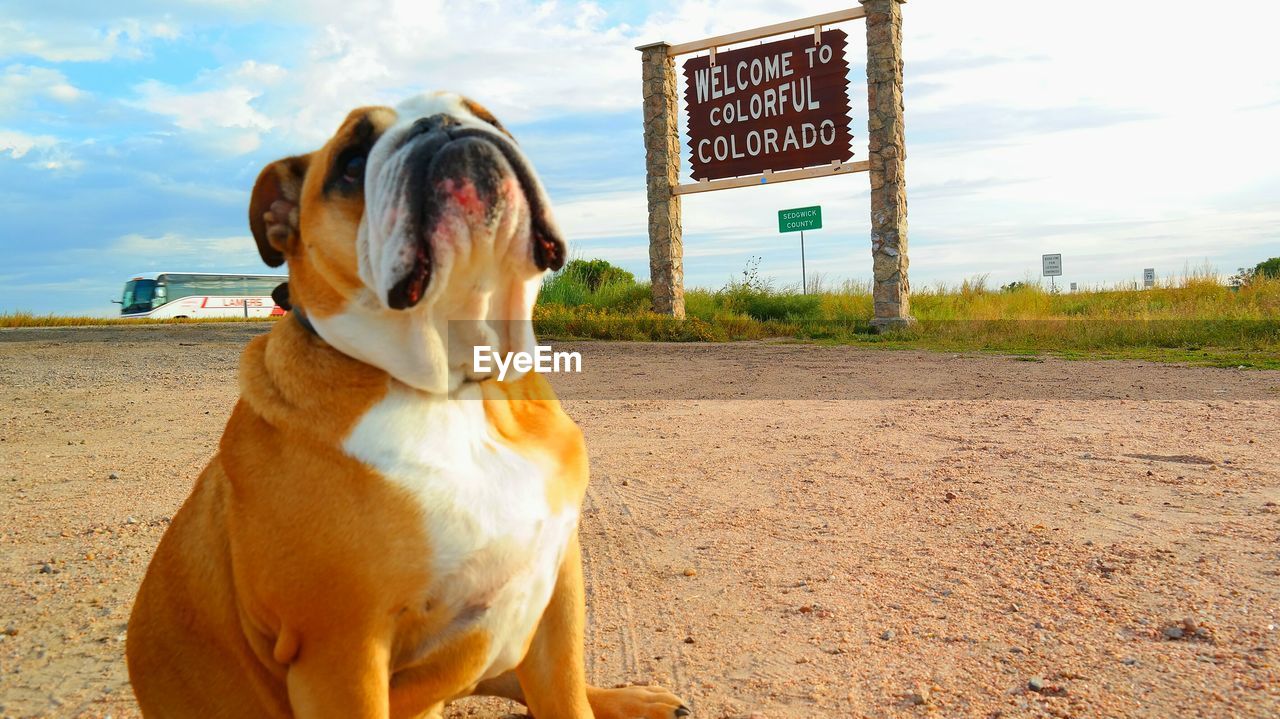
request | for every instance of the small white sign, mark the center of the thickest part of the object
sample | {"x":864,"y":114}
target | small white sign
{"x":1073,"y":287}
{"x":1149,"y":277}
{"x":1051,"y":265}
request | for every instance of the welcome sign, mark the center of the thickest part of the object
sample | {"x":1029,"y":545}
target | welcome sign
{"x":776,"y":106}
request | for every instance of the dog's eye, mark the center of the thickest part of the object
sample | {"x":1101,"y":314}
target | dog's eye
{"x":353,"y":170}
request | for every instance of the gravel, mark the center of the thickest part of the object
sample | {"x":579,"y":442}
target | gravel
{"x":829,"y":504}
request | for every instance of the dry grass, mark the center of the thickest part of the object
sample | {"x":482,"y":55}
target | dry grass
{"x":28,"y":319}
{"x":1194,"y":318}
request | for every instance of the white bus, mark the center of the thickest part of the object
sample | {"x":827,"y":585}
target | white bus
{"x":166,"y":295}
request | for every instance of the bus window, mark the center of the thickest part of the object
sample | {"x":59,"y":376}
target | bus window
{"x":138,"y":295}
{"x":213,"y":285}
{"x":260,"y":286}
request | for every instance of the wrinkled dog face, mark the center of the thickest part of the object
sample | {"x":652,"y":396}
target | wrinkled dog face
{"x":413,"y":235}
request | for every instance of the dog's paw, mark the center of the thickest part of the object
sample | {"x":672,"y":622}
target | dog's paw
{"x":636,"y":703}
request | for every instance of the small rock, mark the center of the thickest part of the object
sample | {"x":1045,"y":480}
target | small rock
{"x":11,"y":631}
{"x":688,"y":640}
{"x":1129,"y":661}
{"x":130,"y":520}
{"x":690,"y":572}
{"x":1173,"y":633}
{"x":46,"y":568}
{"x":806,"y":609}
{"x":113,"y":475}
{"x":625,"y":483}
{"x":1035,"y":684}
{"x":949,"y":496}
{"x":920,"y":695}
{"x":887,"y":634}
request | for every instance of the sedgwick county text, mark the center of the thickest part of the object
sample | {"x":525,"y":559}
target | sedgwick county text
{"x":542,"y":359}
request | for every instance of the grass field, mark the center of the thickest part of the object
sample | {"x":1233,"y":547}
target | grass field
{"x":1195,"y":318}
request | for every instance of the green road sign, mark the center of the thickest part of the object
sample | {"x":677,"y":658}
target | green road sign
{"x":800,"y":218}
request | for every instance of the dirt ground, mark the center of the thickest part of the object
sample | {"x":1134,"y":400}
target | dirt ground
{"x":758,"y":536}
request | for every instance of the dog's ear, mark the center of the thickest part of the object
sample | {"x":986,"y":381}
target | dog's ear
{"x":273,"y":208}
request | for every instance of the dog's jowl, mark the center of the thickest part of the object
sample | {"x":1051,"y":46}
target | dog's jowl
{"x":387,"y":524}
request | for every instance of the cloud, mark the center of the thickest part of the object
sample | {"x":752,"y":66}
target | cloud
{"x":172,"y":247}
{"x":542,"y":60}
{"x":18,"y":144}
{"x":44,"y":152}
{"x":525,"y":60}
{"x":22,"y":85}
{"x":76,"y":41}
{"x":224,"y":117}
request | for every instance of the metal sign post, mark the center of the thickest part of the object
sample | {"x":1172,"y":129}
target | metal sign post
{"x":800,"y":219}
{"x":804,"y":277}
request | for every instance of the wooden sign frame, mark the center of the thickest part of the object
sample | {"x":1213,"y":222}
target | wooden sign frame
{"x":885,"y":163}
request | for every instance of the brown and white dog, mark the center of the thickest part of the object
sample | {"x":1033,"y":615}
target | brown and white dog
{"x":384,"y":527}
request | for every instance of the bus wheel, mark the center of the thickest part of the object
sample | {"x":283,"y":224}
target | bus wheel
{"x":181,"y":317}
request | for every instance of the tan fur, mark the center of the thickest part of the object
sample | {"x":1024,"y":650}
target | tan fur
{"x":323,"y":276}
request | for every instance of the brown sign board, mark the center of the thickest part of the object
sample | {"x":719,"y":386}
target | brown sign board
{"x":777,"y":106}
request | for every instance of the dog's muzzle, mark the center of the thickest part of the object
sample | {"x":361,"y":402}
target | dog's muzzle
{"x":443,"y":166}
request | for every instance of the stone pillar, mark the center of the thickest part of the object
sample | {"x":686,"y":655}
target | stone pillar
{"x":887,"y":155}
{"x":662,"y":167}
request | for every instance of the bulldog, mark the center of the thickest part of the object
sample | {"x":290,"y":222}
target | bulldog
{"x":385,"y":527}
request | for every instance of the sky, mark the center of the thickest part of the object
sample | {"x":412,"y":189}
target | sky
{"x":1142,"y":135}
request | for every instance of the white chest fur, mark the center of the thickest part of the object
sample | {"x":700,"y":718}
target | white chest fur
{"x":496,"y":545}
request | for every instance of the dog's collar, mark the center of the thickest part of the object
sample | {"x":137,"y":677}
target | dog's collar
{"x":302,"y":320}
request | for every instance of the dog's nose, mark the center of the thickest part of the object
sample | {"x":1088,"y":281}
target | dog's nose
{"x":434,"y":123}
